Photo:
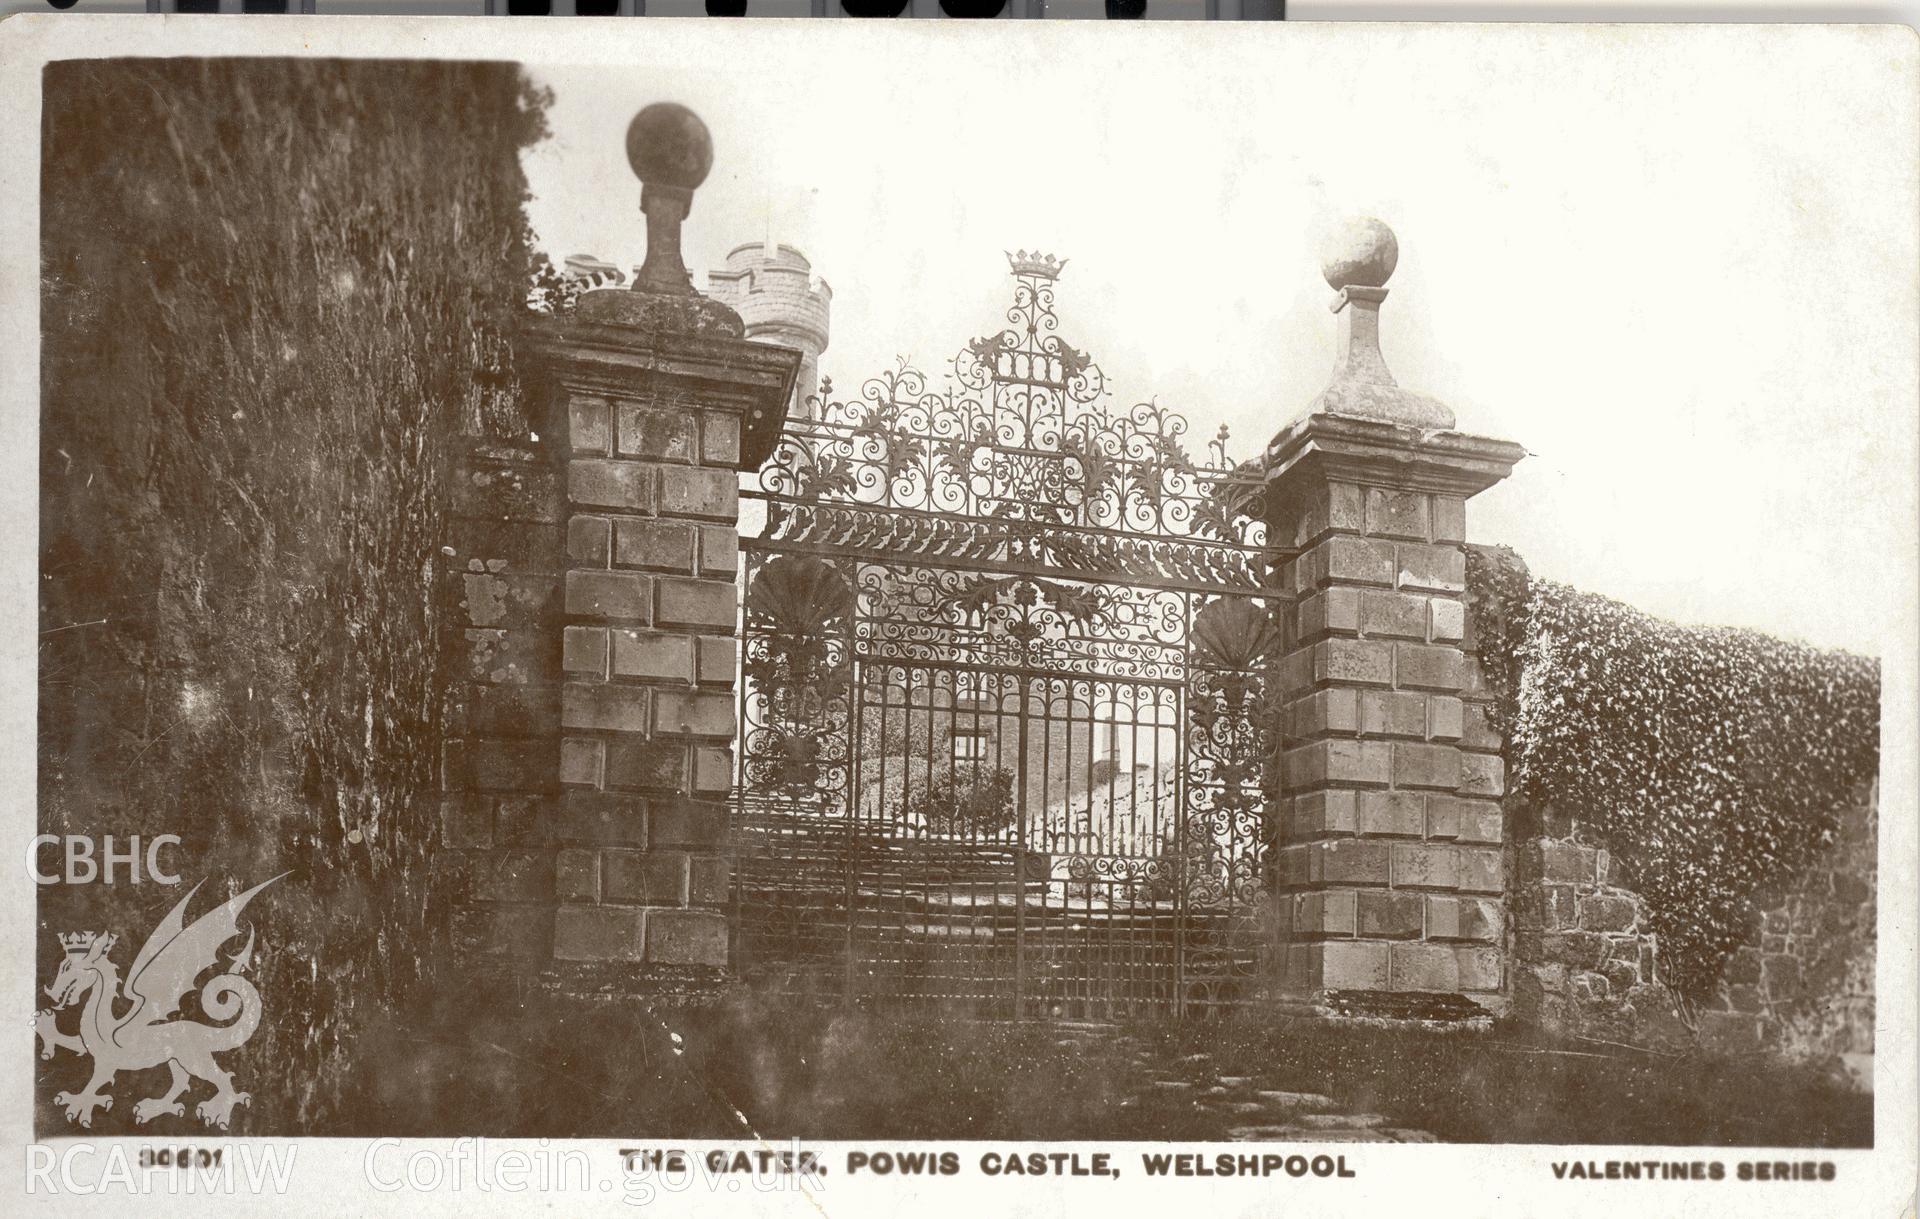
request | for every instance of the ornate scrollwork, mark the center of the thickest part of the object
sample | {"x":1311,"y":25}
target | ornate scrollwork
{"x":1018,"y":460}
{"x":994,"y":587}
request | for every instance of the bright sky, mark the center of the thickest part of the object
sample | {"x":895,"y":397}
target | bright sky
{"x":1679,"y":265}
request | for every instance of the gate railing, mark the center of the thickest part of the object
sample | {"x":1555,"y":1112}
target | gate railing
{"x":1006,"y":734}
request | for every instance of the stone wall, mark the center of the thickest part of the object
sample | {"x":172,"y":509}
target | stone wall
{"x":504,"y":560}
{"x":1585,"y":963}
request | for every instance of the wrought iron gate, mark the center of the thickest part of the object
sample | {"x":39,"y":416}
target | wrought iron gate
{"x":1004,"y":726}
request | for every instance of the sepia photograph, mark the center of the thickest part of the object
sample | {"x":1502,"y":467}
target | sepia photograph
{"x":928,"y":603}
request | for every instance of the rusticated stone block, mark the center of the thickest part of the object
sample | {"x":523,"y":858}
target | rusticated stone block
{"x":1343,"y":559}
{"x":1349,"y":965}
{"x":1481,"y":869}
{"x":588,"y":541}
{"x":585,"y":650}
{"x":1443,"y":717}
{"x":687,"y":823}
{"x":1479,"y":968}
{"x":1422,"y":666}
{"x":1339,"y":761}
{"x":1434,"y":569}
{"x":645,"y":878}
{"x":719,"y":657}
{"x":1448,"y":623}
{"x":522,"y":820}
{"x":1332,"y":610}
{"x":1360,"y":662}
{"x":1343,"y":507}
{"x":1449,"y":518}
{"x":598,"y":483}
{"x":687,"y":937}
{"x":1427,"y":766}
{"x":643,"y":762}
{"x":1476,"y":731}
{"x":1385,"y":914}
{"x":576,"y":875}
{"x":652,"y":655}
{"x":589,"y":424}
{"x":1425,"y":865}
{"x":710,"y":880}
{"x":1424,"y":967}
{"x":720,"y":438}
{"x":600,"y":817}
{"x":1348,"y":861}
{"x":1397,"y":514}
{"x":1482,"y":774}
{"x":1464,"y":918}
{"x":1323,"y":914}
{"x":1321,"y":813}
{"x":701,"y":713}
{"x":600,"y":933}
{"x":600,"y":706}
{"x":583,"y":761}
{"x":1325,"y":711}
{"x":712,"y":769}
{"x":719,"y":551}
{"x":712,"y":604}
{"x":610,"y":594}
{"x":657,"y":432}
{"x":1476,"y":822}
{"x":1392,"y":713}
{"x":1393,"y":814}
{"x":660,"y":545}
{"x":699,"y":491}
{"x":1384,"y":612}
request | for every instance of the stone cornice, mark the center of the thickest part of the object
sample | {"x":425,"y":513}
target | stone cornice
{"x":715,"y":370}
{"x":1346,"y":448}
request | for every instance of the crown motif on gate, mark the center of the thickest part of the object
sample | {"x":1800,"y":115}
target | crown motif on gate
{"x":1046,"y":266}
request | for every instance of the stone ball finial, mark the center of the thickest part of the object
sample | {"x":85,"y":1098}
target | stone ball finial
{"x":669,"y":145}
{"x":1360,"y":253}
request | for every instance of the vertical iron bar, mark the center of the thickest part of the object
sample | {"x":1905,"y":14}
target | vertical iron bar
{"x":850,"y":816}
{"x":1182,"y":744}
{"x":1020,"y":864}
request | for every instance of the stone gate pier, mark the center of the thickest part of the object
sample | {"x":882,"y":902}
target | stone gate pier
{"x":595,"y":718}
{"x":1389,"y":867}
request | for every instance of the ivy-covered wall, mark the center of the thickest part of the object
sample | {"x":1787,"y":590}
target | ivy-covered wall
{"x":1691,"y":819}
{"x":276,"y":305}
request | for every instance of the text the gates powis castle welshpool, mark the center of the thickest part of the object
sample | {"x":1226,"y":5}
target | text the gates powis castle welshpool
{"x":1005,"y":730}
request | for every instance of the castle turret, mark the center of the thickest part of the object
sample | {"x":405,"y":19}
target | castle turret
{"x":775,"y":292}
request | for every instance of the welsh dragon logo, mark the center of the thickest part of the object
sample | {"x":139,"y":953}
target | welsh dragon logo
{"x":150,"y":1031}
